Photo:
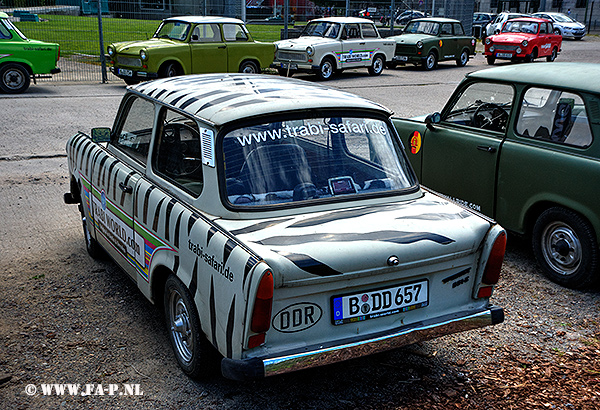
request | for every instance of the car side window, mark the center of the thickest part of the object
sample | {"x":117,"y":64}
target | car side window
{"x":458,"y":30}
{"x":4,"y":33}
{"x":234,"y":32}
{"x":135,"y":132}
{"x":368,"y":31}
{"x":177,"y":153}
{"x":446,"y":29}
{"x":206,"y":33}
{"x":352,"y":31}
{"x":482,"y":105}
{"x":554,"y":115}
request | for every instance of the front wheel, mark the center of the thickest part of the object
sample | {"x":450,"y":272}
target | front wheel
{"x":490,"y":60}
{"x":14,"y":78}
{"x":377,"y":66}
{"x":131,"y":81}
{"x":430,"y":61}
{"x":463,"y":59}
{"x":170,"y":70}
{"x":552,"y":56}
{"x":326,"y":69}
{"x":249,"y":67}
{"x":193,"y":352}
{"x":91,"y":244}
{"x":565,"y":246}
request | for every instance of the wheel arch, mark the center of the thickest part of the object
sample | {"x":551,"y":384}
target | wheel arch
{"x":163,"y":64}
{"x":252,"y":60}
{"x":332,"y":57}
{"x":158,"y":279}
{"x":26,"y":64}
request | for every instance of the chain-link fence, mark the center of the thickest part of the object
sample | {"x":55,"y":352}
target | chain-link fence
{"x":76,"y":24}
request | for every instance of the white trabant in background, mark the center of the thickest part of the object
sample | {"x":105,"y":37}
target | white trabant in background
{"x":329,"y":45}
{"x":278,"y":222}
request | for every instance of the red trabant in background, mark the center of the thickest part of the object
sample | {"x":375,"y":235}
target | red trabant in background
{"x":523,"y":38}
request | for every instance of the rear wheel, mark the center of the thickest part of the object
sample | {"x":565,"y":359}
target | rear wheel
{"x":326,"y":69}
{"x":565,"y":246}
{"x":377,"y":66}
{"x":14,"y":78}
{"x":193,"y":352}
{"x":249,"y":67}
{"x":463,"y":59}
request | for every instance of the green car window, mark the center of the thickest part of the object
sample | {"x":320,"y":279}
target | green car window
{"x":4,"y":33}
{"x":206,"y":33}
{"x":175,"y":30}
{"x":555,"y":116}
{"x":422,"y":27}
{"x":234,"y":32}
{"x":458,"y":30}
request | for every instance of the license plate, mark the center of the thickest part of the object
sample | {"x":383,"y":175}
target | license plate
{"x":504,"y":55}
{"x":126,"y":72}
{"x":402,"y":58}
{"x":292,"y":66}
{"x":378,"y":303}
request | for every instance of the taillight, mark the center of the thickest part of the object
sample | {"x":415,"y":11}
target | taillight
{"x":261,"y":315}
{"x":491,"y":273}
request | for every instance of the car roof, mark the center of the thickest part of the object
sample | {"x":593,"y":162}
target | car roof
{"x":437,"y":19}
{"x":204,"y":19}
{"x":574,"y":76}
{"x":343,"y":20}
{"x":222,"y":98}
{"x":530,"y":19}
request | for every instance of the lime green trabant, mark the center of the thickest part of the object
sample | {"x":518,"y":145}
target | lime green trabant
{"x":190,"y":45}
{"x":22,"y":59}
{"x":427,"y":41}
{"x":521,"y":144}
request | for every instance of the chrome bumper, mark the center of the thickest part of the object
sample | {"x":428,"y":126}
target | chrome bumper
{"x":256,"y":367}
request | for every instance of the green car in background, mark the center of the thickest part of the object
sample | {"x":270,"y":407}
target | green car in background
{"x":427,"y":41}
{"x":190,"y":45}
{"x":521,"y":144}
{"x":22,"y":59}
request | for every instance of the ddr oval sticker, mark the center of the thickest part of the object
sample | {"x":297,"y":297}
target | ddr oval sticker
{"x":415,"y":142}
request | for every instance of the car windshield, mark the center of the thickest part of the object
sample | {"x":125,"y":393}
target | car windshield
{"x":520,"y":27}
{"x":175,"y":30}
{"x":422,"y":27}
{"x":321,"y":29}
{"x":561,"y":18}
{"x":11,"y":26}
{"x":313,"y":159}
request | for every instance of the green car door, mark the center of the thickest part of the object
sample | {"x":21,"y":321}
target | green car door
{"x":458,"y":155}
{"x":208,"y":51}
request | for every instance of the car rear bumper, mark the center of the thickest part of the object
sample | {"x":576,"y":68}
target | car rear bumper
{"x":320,"y":355}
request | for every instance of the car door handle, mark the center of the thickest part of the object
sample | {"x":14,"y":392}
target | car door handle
{"x":222,"y":47}
{"x":485,"y":148}
{"x":125,"y":188}
{"x":362,"y":44}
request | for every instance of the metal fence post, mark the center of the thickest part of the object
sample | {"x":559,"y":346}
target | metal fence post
{"x":101,"y":37}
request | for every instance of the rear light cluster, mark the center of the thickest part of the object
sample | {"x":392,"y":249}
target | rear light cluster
{"x":261,"y":314}
{"x":491,"y":274}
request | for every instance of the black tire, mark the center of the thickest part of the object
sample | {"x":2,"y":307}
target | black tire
{"x":249,"y":67}
{"x":91,"y":244}
{"x":170,"y":70}
{"x":565,"y":246}
{"x":532,"y":56}
{"x":377,"y":66}
{"x":430,"y":61}
{"x":552,"y":56}
{"x":195,"y":355}
{"x":326,"y":69}
{"x":391,"y":65}
{"x":14,"y":78}
{"x":462,"y":59}
{"x":490,"y":60}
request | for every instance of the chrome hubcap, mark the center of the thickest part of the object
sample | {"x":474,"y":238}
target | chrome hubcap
{"x":326,"y":70}
{"x":561,"y":248}
{"x":13,"y":79}
{"x":180,"y":327}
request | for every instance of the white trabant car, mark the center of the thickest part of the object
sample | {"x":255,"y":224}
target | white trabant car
{"x":329,"y":45}
{"x":279,"y":223}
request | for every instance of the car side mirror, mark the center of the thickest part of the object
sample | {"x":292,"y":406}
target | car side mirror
{"x":431,"y":119}
{"x":101,"y":134}
{"x":343,"y":37}
{"x":194,"y":37}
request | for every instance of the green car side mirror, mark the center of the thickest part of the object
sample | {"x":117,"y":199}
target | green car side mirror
{"x":431,"y":119}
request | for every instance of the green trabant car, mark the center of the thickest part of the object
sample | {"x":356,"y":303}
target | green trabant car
{"x":22,"y":59}
{"x":427,"y":41}
{"x":190,"y":45}
{"x":279,"y":223}
{"x":521,"y":144}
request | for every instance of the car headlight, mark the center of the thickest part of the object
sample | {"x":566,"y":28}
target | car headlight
{"x":524,"y":43}
{"x":310,"y":51}
{"x":143,"y":55}
{"x":492,"y":49}
{"x":110,"y":50}
{"x":419,"y":44}
{"x":518,"y":50}
{"x":487,"y":40}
